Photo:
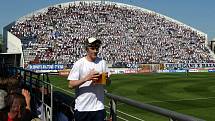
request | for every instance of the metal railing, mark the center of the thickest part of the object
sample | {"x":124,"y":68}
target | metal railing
{"x":172,"y":115}
{"x":40,"y":88}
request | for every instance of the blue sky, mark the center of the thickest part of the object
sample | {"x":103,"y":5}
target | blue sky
{"x":199,"y":14}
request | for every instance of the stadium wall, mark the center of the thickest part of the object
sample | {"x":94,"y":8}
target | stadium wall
{"x":12,"y":44}
{"x":212,"y":45}
{"x":211,"y":52}
{"x":5,"y":36}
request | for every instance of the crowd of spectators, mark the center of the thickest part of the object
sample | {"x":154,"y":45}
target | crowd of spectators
{"x":14,"y":101}
{"x":21,"y":98}
{"x":129,"y":34}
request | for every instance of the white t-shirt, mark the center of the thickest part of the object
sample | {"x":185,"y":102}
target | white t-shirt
{"x":89,"y":96}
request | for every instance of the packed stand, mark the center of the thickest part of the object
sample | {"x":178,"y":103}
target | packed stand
{"x":128,"y":34}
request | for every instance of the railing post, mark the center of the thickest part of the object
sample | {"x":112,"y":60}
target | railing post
{"x":47,"y":80}
{"x":51,"y":102}
{"x":170,"y":119}
{"x":24,"y":78}
{"x":37,"y":81}
{"x":43,"y":103}
{"x":113,"y":110}
{"x":31,"y":76}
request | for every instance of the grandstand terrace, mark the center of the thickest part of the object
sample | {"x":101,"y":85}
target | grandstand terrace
{"x":56,"y":34}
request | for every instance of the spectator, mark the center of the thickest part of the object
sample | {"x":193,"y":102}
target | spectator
{"x":89,"y":103}
{"x":19,"y":108}
{"x":3,"y":93}
{"x":11,"y":97}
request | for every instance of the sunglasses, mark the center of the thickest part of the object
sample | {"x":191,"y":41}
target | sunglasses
{"x":94,"y":47}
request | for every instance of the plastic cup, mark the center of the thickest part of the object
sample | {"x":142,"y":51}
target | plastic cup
{"x":102,"y":79}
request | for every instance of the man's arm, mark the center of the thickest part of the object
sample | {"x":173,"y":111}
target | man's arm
{"x":92,"y":75}
{"x":76,"y":83}
{"x":27,"y":96}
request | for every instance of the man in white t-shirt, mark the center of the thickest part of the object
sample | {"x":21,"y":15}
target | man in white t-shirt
{"x":89,"y":103}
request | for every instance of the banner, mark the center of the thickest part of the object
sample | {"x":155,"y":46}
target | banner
{"x":125,"y":65}
{"x":211,"y":70}
{"x":130,"y":71}
{"x":193,"y":70}
{"x":176,"y":66}
{"x":202,"y":70}
{"x":45,"y":67}
{"x":171,"y":71}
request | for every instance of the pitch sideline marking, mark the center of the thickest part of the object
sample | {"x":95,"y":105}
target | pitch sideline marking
{"x":119,"y":117}
{"x":126,"y":114}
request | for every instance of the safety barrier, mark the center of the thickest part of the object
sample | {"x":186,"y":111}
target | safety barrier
{"x":42,"y":92}
{"x":173,"y":116}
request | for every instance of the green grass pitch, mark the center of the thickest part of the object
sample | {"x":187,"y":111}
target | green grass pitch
{"x":192,"y":94}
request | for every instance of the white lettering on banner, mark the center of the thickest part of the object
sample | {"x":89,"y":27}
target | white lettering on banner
{"x":193,"y":70}
{"x":46,"y":67}
{"x":188,"y":65}
{"x":130,"y":71}
{"x":132,"y":65}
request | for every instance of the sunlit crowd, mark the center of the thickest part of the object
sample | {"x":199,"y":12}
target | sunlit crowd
{"x":57,"y":35}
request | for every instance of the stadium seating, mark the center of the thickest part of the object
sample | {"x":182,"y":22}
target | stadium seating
{"x":129,"y":34}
